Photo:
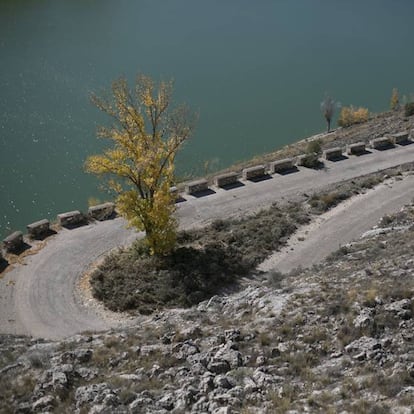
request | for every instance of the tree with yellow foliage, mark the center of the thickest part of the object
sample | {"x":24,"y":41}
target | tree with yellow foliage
{"x":146,"y":135}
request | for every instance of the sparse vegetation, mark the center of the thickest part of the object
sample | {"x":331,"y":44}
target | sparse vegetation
{"x":325,"y":201}
{"x":409,"y":109}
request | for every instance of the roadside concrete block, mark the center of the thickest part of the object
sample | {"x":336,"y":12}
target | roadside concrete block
{"x":174,"y":192}
{"x":400,"y":138}
{"x":226,"y":179}
{"x":381,"y":143}
{"x":177,"y":196}
{"x":356,"y":149}
{"x":281,"y":165}
{"x":14,"y":241}
{"x":301,"y":159}
{"x":333,"y":153}
{"x":38,"y":228}
{"x":101,"y":211}
{"x":255,"y":172}
{"x":71,"y":218}
{"x":196,"y":186}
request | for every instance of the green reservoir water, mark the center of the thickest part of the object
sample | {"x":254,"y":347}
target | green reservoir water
{"x":255,"y":70}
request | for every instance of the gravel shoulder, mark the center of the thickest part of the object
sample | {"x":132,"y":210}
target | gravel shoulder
{"x":39,"y":297}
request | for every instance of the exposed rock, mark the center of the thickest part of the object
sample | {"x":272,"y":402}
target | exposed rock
{"x":167,"y":401}
{"x":24,"y":408}
{"x":44,"y":404}
{"x":264,"y":379}
{"x":363,"y":344}
{"x":95,"y":394}
{"x":206,"y":383}
{"x":86,"y":373}
{"x":224,"y":381}
{"x":364,"y":319}
{"x":232,"y":357}
{"x":192,"y":332}
{"x":218,"y":366}
{"x":138,"y":404}
{"x":186,"y":349}
{"x":59,"y":380}
{"x":401,"y":308}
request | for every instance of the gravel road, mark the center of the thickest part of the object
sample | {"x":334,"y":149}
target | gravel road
{"x":339,"y":226}
{"x":39,"y":298}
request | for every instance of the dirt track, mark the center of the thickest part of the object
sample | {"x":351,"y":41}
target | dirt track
{"x":39,"y":298}
{"x":339,"y":226}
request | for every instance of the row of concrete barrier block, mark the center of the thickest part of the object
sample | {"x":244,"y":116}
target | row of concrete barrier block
{"x":231,"y":178}
{"x":41,"y":229}
{"x":255,"y":172}
{"x":359,"y":148}
{"x":280,"y":166}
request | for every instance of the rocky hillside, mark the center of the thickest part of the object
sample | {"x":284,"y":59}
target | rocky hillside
{"x":335,"y":338}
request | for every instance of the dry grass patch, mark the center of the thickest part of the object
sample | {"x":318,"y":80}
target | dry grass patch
{"x":204,"y":262}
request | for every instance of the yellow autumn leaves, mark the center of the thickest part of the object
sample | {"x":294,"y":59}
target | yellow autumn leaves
{"x":350,"y":115}
{"x":146,"y":136}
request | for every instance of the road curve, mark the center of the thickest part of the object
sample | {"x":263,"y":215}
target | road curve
{"x":39,"y":298}
{"x":344,"y":223}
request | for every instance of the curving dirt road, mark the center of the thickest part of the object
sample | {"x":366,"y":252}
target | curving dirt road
{"x":339,"y":226}
{"x":39,"y":298}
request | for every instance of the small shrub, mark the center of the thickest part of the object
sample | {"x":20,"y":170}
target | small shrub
{"x":370,"y":182}
{"x":350,"y":115}
{"x":219,"y":225}
{"x":369,"y":297}
{"x":409,"y":109}
{"x":325,"y":201}
{"x":38,"y":360}
{"x":311,"y":157}
{"x":317,"y":334}
{"x":338,"y":254}
{"x":314,"y":147}
{"x":311,"y":161}
{"x":264,"y":339}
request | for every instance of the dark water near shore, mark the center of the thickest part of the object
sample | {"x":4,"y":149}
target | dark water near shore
{"x":256,"y":72}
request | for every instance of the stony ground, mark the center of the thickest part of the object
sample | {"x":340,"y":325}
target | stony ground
{"x":335,"y":338}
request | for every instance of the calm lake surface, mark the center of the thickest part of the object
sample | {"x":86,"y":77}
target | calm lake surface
{"x":256,"y":72}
